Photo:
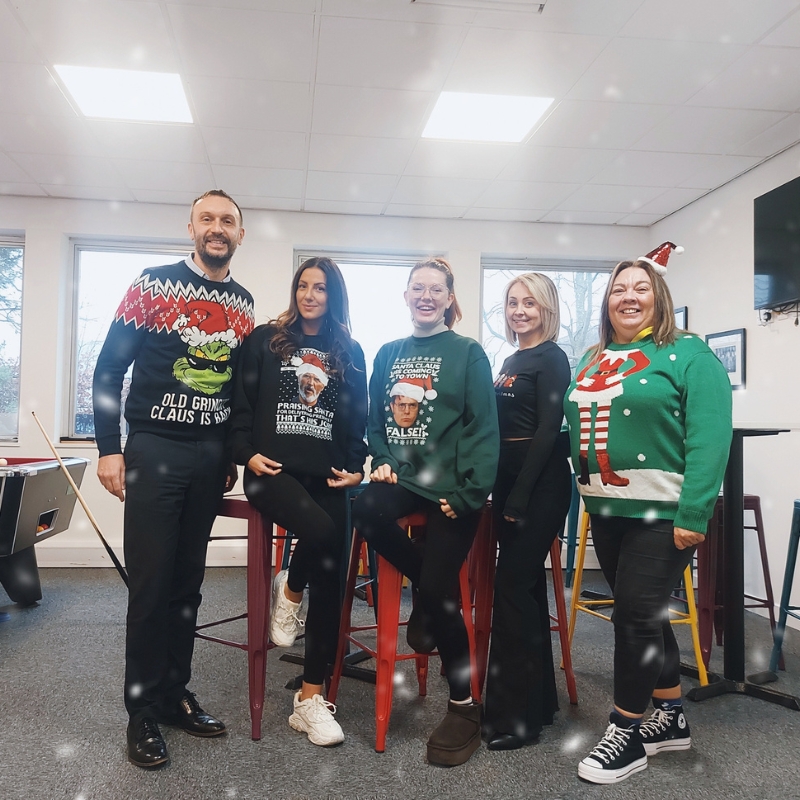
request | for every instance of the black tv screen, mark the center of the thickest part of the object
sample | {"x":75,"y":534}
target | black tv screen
{"x":777,"y":246}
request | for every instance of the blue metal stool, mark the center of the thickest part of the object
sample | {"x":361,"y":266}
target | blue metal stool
{"x":788,"y":579}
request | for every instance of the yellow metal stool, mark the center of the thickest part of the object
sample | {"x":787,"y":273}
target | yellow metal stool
{"x":688,"y":617}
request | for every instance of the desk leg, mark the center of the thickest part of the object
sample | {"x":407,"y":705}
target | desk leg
{"x":259,"y":573}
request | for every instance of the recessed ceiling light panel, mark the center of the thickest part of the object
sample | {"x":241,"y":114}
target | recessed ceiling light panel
{"x":484,"y":117}
{"x":127,"y":94}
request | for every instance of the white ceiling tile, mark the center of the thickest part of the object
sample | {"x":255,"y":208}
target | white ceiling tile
{"x":101,"y":33}
{"x":118,"y":194}
{"x":557,"y":164}
{"x":249,"y":148}
{"x":370,"y":112}
{"x":48,"y":135}
{"x":164,"y":175}
{"x":717,"y":170}
{"x":595,"y":197}
{"x":611,"y":126}
{"x":521,"y":62}
{"x":520,"y":194}
{"x":148,"y":141}
{"x":706,"y":21}
{"x":671,"y":200}
{"x":295,"y":6}
{"x":504,"y":214}
{"x":647,"y":71}
{"x":172,"y":198}
{"x":69,"y":170}
{"x":10,"y":172}
{"x":438,"y":191}
{"x":29,"y":89}
{"x":786,"y":34}
{"x":459,"y":159}
{"x":342,"y":207}
{"x":268,"y":105}
{"x":271,"y":203}
{"x":349,"y":186}
{"x":774,"y":139}
{"x":636,"y":168}
{"x":707,"y":130}
{"x":583,"y":217}
{"x":260,"y":182}
{"x":358,"y":154}
{"x":435,"y":212}
{"x":15,"y":43}
{"x":641,"y":220}
{"x":386,"y":54}
{"x":21,"y":189}
{"x":764,"y":78}
{"x":245,"y":43}
{"x":401,"y":11}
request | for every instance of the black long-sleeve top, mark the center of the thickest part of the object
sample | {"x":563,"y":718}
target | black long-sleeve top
{"x":270,"y":416}
{"x":530,"y":396}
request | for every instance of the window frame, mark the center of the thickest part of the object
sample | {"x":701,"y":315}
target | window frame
{"x":16,"y":242}
{"x":172,"y":250}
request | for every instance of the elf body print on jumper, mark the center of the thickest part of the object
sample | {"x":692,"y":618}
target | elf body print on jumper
{"x":182,"y":333}
{"x":662,"y":417}
{"x":307,"y":395}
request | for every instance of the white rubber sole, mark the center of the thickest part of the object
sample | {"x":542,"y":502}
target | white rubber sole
{"x":297,"y":722}
{"x":599,"y":775}
{"x":652,"y":748}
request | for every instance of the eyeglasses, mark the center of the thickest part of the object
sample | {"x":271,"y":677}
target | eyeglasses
{"x":437,"y":290}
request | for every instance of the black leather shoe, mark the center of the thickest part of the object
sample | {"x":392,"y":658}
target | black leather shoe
{"x":188,"y":716}
{"x":146,"y":745}
{"x":508,"y":741}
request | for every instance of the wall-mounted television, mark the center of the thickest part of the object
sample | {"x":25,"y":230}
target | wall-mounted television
{"x":777,"y":246}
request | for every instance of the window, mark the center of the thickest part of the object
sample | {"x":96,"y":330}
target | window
{"x":103,"y":275}
{"x":580,"y":288}
{"x":10,"y":330}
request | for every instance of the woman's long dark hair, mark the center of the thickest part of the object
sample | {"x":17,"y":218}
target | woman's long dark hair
{"x":288,"y":336}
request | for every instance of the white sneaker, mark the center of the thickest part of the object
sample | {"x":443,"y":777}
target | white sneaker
{"x":315,"y":717}
{"x":284,"y":619}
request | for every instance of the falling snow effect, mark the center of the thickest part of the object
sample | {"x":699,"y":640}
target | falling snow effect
{"x":649,"y":655}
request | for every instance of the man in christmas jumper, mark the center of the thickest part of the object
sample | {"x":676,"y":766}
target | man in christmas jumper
{"x":181,"y":326}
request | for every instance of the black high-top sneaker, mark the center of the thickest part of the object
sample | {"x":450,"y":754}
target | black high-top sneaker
{"x":667,"y":729}
{"x":618,"y":755}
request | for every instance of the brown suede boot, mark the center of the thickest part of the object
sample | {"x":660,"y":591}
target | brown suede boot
{"x":457,"y":736}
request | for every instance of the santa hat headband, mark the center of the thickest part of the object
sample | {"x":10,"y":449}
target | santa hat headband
{"x":418,"y":389}
{"x":310,"y":364}
{"x":658,"y":258}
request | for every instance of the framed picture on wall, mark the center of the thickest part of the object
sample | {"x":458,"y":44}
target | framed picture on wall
{"x":729,"y":348}
{"x":682,"y":318}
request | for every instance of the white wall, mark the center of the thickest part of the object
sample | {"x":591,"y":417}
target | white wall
{"x":714,"y":278}
{"x":264,"y":265}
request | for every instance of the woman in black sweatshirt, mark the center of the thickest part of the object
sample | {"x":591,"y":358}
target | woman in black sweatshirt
{"x":298,"y":425}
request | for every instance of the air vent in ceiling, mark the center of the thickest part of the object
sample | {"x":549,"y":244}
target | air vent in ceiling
{"x":529,"y":6}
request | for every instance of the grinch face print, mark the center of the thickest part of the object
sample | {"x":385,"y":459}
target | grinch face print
{"x":411,"y":390}
{"x":306,"y":395}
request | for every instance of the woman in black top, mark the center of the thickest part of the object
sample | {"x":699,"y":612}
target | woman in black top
{"x":530,"y":500}
{"x":298,"y":423}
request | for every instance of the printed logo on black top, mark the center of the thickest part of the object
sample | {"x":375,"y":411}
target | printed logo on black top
{"x":410,"y":392}
{"x":307,"y":395}
{"x":504,"y":385}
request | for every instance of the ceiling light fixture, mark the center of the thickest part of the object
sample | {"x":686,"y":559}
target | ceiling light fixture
{"x":127,"y":94}
{"x":484,"y":117}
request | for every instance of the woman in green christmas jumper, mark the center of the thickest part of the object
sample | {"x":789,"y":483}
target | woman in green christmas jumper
{"x":434,"y":441}
{"x":649,"y":414}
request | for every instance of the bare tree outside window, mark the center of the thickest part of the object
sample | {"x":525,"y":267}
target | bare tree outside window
{"x":10,"y":331}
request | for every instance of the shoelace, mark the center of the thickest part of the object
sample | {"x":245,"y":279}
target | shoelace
{"x":612,"y":743}
{"x":322,"y":708}
{"x":148,"y":729}
{"x":659,"y":722}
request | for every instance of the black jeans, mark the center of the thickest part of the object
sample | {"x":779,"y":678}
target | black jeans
{"x":521,"y":684}
{"x":433,"y":569}
{"x":316,"y":515}
{"x":642,"y":566}
{"x":173,"y":492}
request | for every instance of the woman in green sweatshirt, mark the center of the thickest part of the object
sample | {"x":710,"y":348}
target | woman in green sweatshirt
{"x":433,"y":438}
{"x":649,"y":414}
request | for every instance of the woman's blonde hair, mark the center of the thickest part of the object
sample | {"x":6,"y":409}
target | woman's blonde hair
{"x":663,"y":312}
{"x":544,"y":292}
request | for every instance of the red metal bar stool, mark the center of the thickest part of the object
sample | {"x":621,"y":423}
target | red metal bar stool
{"x":259,"y":575}
{"x":388,"y":622}
{"x":561,"y":620}
{"x":710,"y":558}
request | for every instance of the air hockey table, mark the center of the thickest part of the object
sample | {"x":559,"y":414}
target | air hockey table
{"x":36,"y":502}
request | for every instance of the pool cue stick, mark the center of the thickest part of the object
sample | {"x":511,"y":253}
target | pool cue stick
{"x":112,"y":555}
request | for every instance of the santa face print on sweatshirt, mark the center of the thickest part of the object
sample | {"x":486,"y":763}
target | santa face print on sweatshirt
{"x":306,"y":395}
{"x":410,"y":392}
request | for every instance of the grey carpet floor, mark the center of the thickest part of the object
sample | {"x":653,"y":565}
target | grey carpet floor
{"x":62,"y":722}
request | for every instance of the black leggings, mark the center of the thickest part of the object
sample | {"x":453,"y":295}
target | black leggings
{"x":642,"y":566}
{"x":316,"y":515}
{"x":433,"y":569}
